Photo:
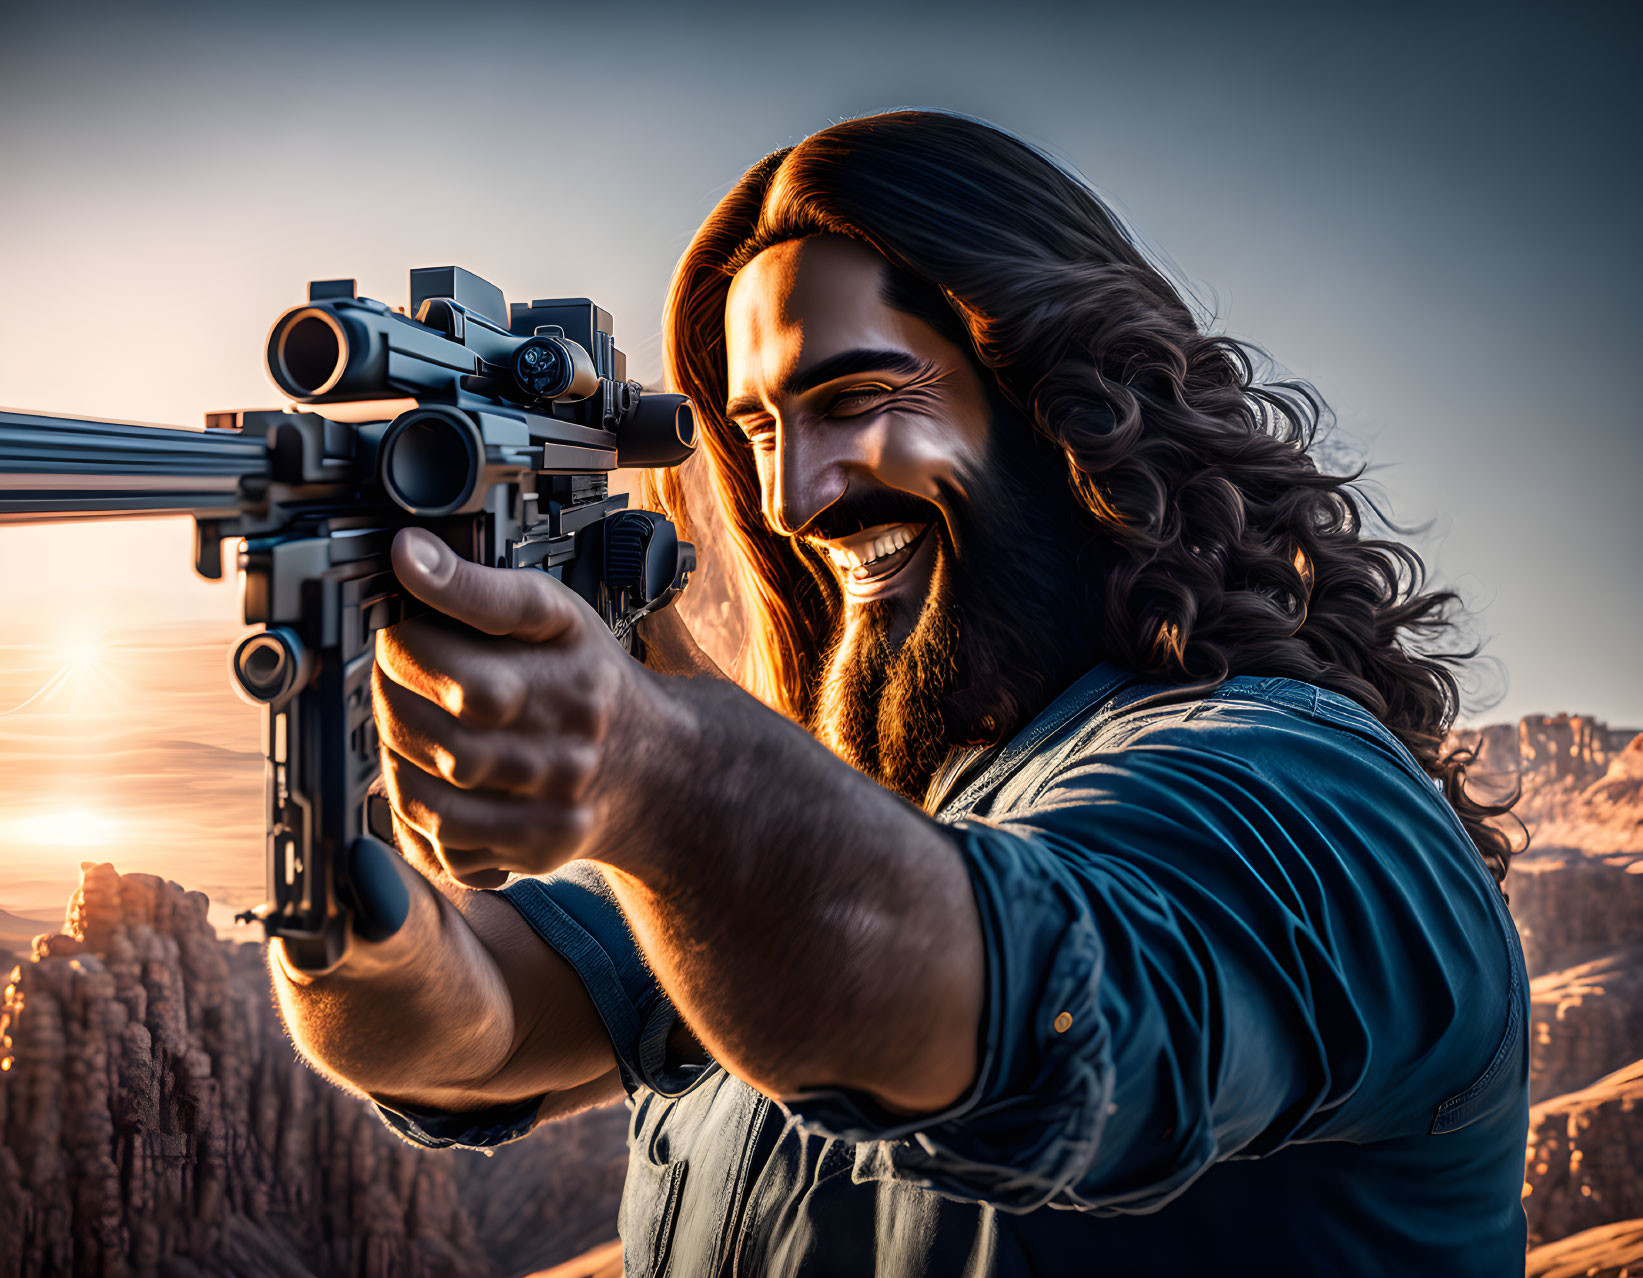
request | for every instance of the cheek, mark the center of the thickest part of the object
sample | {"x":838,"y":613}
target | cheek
{"x":922,"y":455}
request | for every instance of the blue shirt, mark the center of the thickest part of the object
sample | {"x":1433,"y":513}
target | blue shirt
{"x":1254,"y":1004}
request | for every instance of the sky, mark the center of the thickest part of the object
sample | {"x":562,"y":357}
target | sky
{"x":1428,"y":211}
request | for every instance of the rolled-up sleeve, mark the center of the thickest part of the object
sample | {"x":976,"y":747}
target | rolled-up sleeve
{"x":1185,"y":962}
{"x":575,"y":913}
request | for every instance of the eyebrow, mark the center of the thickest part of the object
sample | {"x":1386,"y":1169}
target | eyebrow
{"x":860,"y":360}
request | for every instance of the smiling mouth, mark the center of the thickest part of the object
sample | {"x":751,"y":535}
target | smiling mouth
{"x":874,"y":555}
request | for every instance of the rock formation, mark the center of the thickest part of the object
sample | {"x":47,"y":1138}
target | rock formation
{"x":1585,"y":1149}
{"x":1585,"y":1021}
{"x":1577,"y":897}
{"x":1582,"y":782}
{"x":154,"y":1119}
{"x":1608,"y":1251}
{"x":1572,"y":907}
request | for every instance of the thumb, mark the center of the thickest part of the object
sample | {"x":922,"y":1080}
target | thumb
{"x":519,"y":602}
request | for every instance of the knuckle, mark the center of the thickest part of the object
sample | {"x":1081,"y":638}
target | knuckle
{"x":492,"y":699}
{"x":561,"y":829}
{"x":396,"y":646}
{"x":577,"y":764}
{"x":469,"y":767}
{"x":561,"y":769}
{"x":542,"y":605}
{"x":578,"y":707}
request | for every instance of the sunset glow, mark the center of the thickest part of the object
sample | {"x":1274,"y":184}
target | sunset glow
{"x":64,"y":827}
{"x":82,"y":652}
{"x":121,"y":739}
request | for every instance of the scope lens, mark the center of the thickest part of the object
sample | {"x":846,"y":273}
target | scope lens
{"x":310,"y":352}
{"x":542,"y":369}
{"x":271,"y":666}
{"x":685,"y":423}
{"x":429,"y":462}
{"x":263,"y":664}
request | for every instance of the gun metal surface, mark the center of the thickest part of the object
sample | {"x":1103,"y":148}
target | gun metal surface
{"x":494,"y":427}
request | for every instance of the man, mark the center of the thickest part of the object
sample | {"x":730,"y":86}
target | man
{"x":1128,"y":923}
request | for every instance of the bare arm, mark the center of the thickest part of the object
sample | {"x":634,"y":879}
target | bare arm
{"x":462,"y":1008}
{"x":814,"y":929}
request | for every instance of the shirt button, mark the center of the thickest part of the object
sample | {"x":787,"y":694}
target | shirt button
{"x":1064,"y":1022}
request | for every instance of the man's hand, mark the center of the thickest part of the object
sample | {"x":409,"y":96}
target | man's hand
{"x":813,"y":928}
{"x":495,"y":732}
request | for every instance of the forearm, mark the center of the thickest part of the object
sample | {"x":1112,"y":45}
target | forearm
{"x":815,"y":929}
{"x":464,"y":1006}
{"x":427,"y":1007}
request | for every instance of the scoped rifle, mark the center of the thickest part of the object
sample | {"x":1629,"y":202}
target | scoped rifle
{"x":494,"y":427}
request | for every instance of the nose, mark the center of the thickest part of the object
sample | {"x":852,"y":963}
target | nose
{"x":812,"y":467}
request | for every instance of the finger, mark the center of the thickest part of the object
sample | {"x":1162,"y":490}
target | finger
{"x":526,"y":604}
{"x":491,"y":682}
{"x":452,"y":870}
{"x":517,"y":833}
{"x":472,"y":869}
{"x":437,"y":742}
{"x":467,"y":676}
{"x":423,"y":857}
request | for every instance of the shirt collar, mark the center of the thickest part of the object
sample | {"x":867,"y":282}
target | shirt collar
{"x":1091,"y":690}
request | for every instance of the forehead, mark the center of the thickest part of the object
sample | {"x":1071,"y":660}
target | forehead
{"x":799,"y":302}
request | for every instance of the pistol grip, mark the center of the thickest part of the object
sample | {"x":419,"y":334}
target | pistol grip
{"x":377,"y":893}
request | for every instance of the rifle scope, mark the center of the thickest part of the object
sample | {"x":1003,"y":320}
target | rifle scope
{"x":308,"y":353}
{"x":356,"y":348}
{"x":430,"y":460}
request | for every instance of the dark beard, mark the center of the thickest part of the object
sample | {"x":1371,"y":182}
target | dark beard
{"x":1005,"y":626}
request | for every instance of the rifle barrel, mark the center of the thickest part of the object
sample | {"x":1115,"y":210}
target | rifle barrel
{"x":66,"y":467}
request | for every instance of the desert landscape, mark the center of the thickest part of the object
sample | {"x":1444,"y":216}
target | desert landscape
{"x":154,"y":1119}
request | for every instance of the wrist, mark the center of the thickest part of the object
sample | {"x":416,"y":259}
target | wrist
{"x":381,"y":964}
{"x":653,"y":747}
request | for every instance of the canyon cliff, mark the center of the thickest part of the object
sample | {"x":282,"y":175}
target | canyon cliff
{"x":1577,"y":898}
{"x":154,"y":1119}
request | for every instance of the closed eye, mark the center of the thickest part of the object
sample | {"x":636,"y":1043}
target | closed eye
{"x":856,"y":400}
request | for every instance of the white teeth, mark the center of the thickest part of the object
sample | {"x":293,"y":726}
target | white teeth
{"x":886,"y":543}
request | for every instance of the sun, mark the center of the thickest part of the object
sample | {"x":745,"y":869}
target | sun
{"x":81,"y":652}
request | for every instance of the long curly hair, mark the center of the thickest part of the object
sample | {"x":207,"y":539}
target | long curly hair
{"x":1228,"y":550}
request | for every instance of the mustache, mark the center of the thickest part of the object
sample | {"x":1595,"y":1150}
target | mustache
{"x":853,"y":512}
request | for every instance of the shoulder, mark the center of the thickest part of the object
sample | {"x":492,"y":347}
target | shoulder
{"x":1269,"y":723}
{"x":1272,"y":816}
{"x":1269,"y":774}
{"x":1275,"y":736}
